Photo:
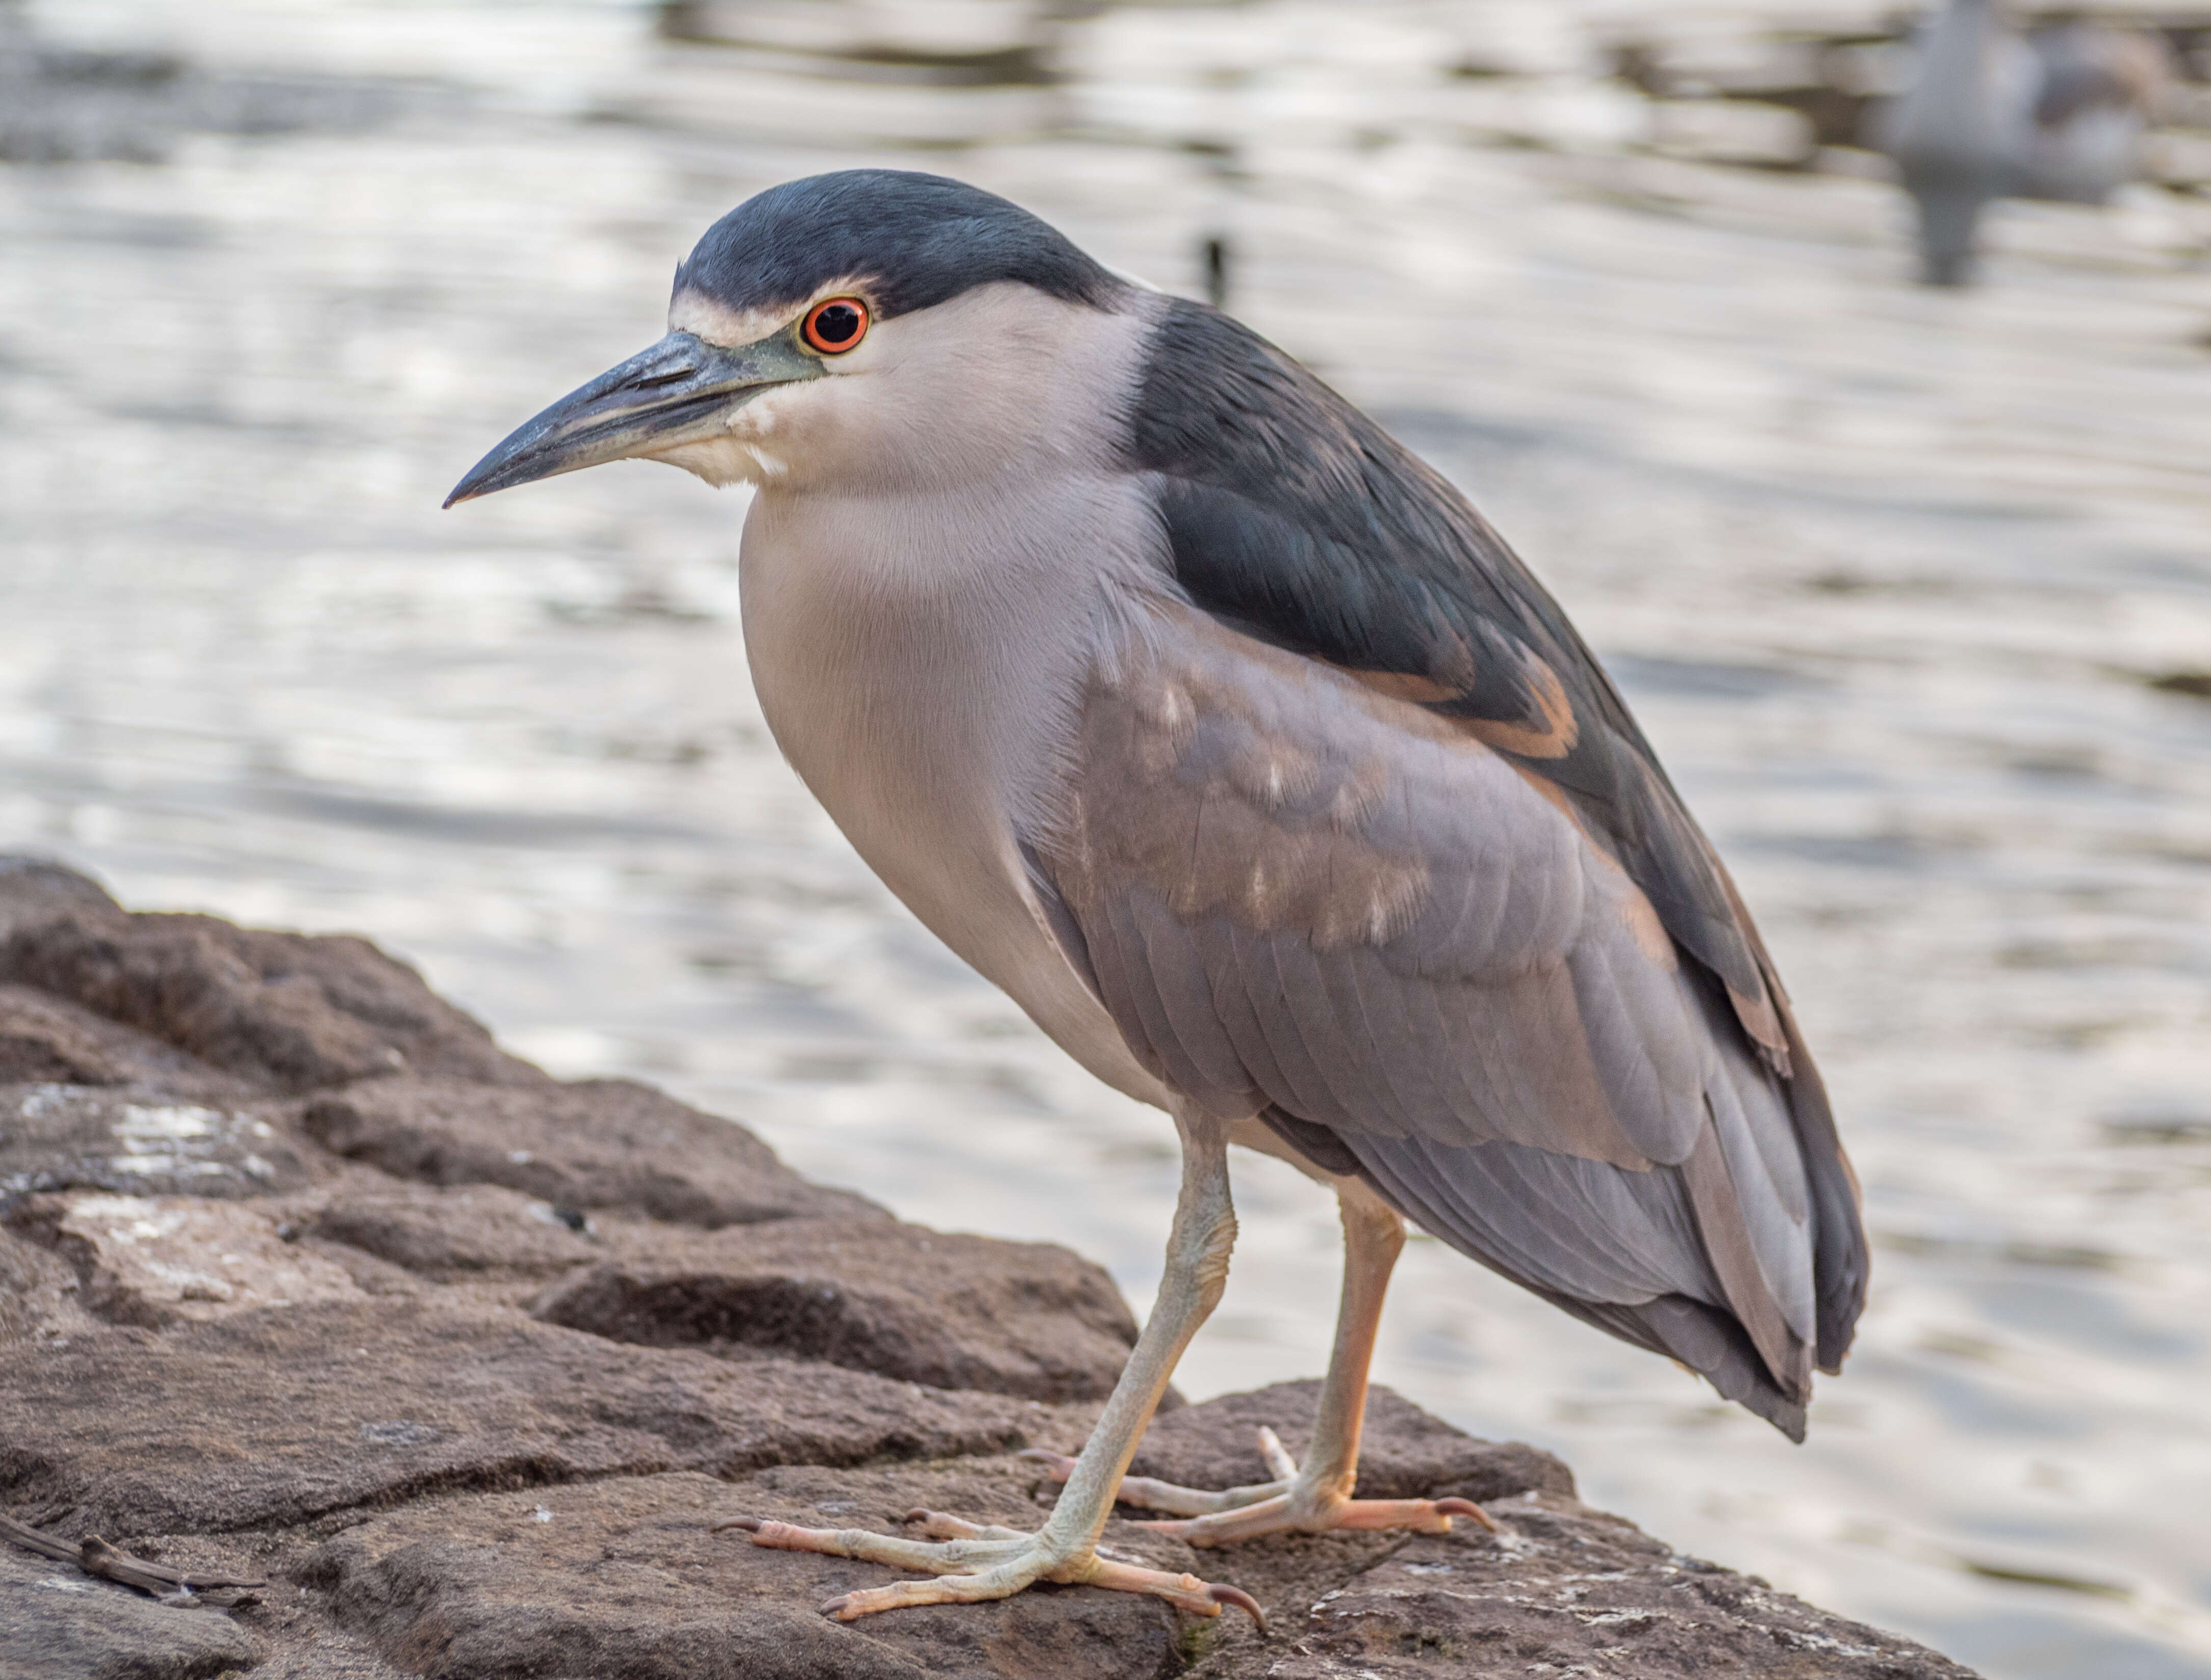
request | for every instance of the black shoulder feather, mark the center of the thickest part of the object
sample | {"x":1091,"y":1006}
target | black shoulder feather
{"x":1292,"y":514}
{"x":1295,"y":516}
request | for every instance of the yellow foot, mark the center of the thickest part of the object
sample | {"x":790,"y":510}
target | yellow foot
{"x":1288,"y":1504}
{"x":973,"y":1562}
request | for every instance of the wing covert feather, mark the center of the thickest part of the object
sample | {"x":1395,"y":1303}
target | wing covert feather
{"x":1362,"y":839}
{"x":1289,"y":512}
{"x":1301,"y":898}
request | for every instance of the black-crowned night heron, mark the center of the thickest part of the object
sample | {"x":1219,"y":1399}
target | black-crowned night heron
{"x":1190,"y":707}
{"x":1993,"y":113}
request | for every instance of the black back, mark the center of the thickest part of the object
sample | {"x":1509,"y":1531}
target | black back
{"x":917,"y":240}
{"x":1292,"y":516}
{"x":1290,"y":512}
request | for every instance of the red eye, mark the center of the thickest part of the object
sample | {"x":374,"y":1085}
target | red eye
{"x":834,"y":327}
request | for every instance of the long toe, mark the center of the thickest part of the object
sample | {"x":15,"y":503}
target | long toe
{"x":1274,"y":1508}
{"x":1168,"y":1497}
{"x":1281,"y":1516}
{"x":1429,"y":1516}
{"x":962,"y":1589}
{"x":972,"y":1562}
{"x":1186,"y":1592}
{"x":966,"y":1554}
{"x":937,"y":1525}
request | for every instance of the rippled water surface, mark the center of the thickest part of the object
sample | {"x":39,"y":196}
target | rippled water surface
{"x":1912,"y":591}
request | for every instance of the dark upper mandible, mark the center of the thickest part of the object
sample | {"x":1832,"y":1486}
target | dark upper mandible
{"x":917,"y":240}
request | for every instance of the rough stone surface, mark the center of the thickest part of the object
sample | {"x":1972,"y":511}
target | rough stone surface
{"x":281,"y":1415}
{"x":627,"y":1581}
{"x":286,"y":1010}
{"x":44,"y":1042}
{"x":954,"y":1311}
{"x":157,"y":1261}
{"x":300,"y":1277}
{"x":1569,"y":1591}
{"x":453,"y":1235}
{"x":39,"y":1293}
{"x":48,"y":1040}
{"x":58,"y":1624}
{"x":33,"y":888}
{"x":137,"y":1140}
{"x":598,"y":1143}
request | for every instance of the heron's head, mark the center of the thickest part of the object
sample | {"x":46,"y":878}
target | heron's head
{"x":860,"y":325}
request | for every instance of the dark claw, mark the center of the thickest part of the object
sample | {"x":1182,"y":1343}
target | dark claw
{"x":837,"y":1604}
{"x":920,"y":1513}
{"x":750,"y":1525}
{"x":1466,"y":1507}
{"x":1243,"y":1601}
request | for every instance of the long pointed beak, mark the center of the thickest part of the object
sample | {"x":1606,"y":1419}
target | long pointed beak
{"x":680,"y":390}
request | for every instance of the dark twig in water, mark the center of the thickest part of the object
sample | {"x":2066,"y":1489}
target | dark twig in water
{"x":96,"y":1557}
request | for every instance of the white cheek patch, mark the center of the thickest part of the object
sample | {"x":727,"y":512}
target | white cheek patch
{"x":719,"y":461}
{"x":751,"y":448}
{"x":757,"y":426}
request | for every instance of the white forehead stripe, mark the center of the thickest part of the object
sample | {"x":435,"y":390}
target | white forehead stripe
{"x":702,"y":317}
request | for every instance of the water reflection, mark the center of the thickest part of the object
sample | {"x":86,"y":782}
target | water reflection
{"x":1914,"y":593}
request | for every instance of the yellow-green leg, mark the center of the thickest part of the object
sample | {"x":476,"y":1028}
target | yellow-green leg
{"x":1315,"y":1497}
{"x":970,"y":1562}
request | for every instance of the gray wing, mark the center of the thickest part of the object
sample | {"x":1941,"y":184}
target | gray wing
{"x":1303,"y":897}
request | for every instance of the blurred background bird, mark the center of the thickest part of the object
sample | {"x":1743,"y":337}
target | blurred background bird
{"x":1995,"y":111}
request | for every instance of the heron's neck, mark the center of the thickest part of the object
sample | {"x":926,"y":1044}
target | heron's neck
{"x":920,"y":659}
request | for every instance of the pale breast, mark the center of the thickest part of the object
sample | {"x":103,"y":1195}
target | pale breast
{"x":922,"y":666}
{"x":921,"y":639}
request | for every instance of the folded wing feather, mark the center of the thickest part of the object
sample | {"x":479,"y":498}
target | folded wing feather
{"x":1301,"y":896}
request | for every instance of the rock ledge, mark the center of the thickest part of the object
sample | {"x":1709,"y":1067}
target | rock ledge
{"x":303,"y":1279}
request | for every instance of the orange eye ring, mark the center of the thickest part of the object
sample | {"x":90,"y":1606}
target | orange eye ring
{"x":835,"y":325}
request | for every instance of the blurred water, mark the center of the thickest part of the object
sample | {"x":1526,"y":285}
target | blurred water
{"x":1893,"y":578}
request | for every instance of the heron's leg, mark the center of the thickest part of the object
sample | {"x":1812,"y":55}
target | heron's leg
{"x":1318,"y":1496}
{"x":972,"y":1562}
